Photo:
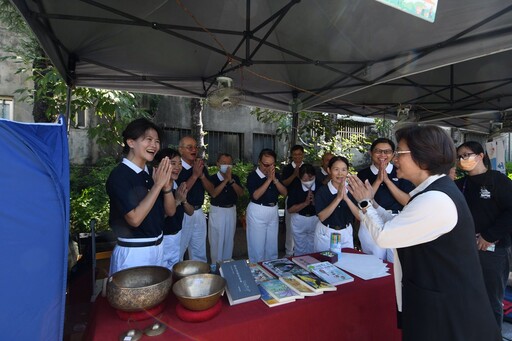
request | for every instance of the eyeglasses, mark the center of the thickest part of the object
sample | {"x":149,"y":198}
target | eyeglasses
{"x":465,"y":156}
{"x":397,"y":153}
{"x":383,"y":151}
{"x":189,"y":147}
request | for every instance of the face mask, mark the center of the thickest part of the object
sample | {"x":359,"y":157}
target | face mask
{"x":224,"y":168}
{"x":468,"y":165}
{"x":308,"y":184}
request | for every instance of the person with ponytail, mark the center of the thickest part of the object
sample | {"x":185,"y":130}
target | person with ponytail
{"x":489,"y":197}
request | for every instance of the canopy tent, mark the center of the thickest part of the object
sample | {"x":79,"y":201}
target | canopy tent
{"x":34,"y":180}
{"x":351,"y":57}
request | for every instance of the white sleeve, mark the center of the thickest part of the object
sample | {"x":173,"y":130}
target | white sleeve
{"x":425,"y":218}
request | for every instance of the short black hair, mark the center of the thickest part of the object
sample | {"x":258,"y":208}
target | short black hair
{"x":306,"y":168}
{"x":431,"y":147}
{"x":136,"y":129}
{"x":267,"y":152}
{"x":224,"y":154}
{"x":297,"y":147}
{"x":338,"y":158}
{"x":166,"y":152}
{"x":382,"y":140}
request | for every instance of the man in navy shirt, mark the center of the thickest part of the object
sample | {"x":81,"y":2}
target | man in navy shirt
{"x":195,"y":174}
{"x":222,"y":218}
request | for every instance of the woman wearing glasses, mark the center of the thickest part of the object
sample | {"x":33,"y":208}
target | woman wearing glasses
{"x":489,"y":197}
{"x":439,"y":285}
{"x":391,"y":192}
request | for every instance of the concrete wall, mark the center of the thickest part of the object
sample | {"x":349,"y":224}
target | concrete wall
{"x":10,"y":81}
{"x":174,"y":112}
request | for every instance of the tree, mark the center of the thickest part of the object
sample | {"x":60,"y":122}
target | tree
{"x":114,"y":109}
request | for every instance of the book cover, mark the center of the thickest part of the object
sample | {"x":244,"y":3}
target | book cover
{"x":259,"y":274}
{"x":299,"y":286}
{"x":280,"y":291}
{"x":240,"y":285}
{"x":315,"y":282}
{"x":270,"y":300}
{"x":283,"y":267}
{"x":330,"y":273}
{"x":304,"y":261}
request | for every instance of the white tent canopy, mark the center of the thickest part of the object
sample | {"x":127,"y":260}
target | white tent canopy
{"x":352,"y":57}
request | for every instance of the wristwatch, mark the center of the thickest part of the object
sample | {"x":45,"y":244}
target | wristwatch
{"x":364,"y":204}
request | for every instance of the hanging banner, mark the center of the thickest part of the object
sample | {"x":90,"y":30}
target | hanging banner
{"x":423,"y":9}
{"x":496,"y":152}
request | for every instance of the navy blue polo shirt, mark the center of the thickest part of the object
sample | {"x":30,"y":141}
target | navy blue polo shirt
{"x":287,"y":172}
{"x":195,"y":196}
{"x":383,"y":195}
{"x":297,"y":195}
{"x":254,"y":181}
{"x":320,"y":176}
{"x":228,"y":195}
{"x":173,"y":224}
{"x":342,"y":216}
{"x":126,"y":189}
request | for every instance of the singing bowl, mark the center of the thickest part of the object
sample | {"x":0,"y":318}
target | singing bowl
{"x":189,"y":267}
{"x":199,"y":292}
{"x":138,"y":288}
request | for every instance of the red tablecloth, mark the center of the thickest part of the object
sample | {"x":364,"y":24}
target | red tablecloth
{"x":360,"y":310}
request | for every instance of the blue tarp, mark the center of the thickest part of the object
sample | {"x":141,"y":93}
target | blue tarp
{"x":34,"y":225}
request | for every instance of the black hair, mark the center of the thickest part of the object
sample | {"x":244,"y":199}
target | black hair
{"x":431,"y":147}
{"x":224,"y":154}
{"x":267,"y":152}
{"x":477,"y":148}
{"x":297,"y":147}
{"x":306,"y":168}
{"x":382,"y":140}
{"x":136,"y":129}
{"x":338,"y":158}
{"x":169,"y":152}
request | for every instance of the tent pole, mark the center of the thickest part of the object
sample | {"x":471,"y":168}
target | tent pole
{"x":68,"y":107}
{"x":295,"y":124}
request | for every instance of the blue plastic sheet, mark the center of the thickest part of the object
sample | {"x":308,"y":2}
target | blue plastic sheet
{"x":34,"y":225}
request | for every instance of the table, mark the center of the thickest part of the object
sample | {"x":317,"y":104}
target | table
{"x":360,"y":310}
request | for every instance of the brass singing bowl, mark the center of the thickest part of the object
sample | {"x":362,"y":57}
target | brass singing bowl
{"x":139,"y":288}
{"x":189,"y":267}
{"x":199,"y":292}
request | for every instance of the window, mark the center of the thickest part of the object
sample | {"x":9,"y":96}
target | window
{"x":223,"y":142}
{"x":259,"y":142}
{"x":6,"y":108}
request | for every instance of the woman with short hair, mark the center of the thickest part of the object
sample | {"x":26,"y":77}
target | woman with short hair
{"x":439,"y":285}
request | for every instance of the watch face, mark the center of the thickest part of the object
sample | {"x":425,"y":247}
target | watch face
{"x":363,"y":204}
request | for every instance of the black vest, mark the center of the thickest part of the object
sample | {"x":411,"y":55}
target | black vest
{"x":443,"y":292}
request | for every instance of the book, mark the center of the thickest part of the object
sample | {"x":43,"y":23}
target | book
{"x":270,"y":300}
{"x":304,"y":261}
{"x":330,"y":273}
{"x":240,"y":285}
{"x":315,"y":282}
{"x":280,"y":291}
{"x":259,"y":274}
{"x":283,"y":267}
{"x":299,"y":286}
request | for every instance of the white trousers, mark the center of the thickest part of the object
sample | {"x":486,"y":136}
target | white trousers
{"x":221,"y":232}
{"x":262,"y":229}
{"x":303,"y":229}
{"x":172,"y":245}
{"x":288,"y":243}
{"x":124,"y":257}
{"x":323,"y":237}
{"x":193,"y":236}
{"x":370,"y":247}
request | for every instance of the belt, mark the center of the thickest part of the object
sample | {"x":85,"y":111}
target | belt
{"x":224,"y":206}
{"x":140,"y":244}
{"x":306,"y":214}
{"x":196,"y":207}
{"x":334,"y":227}
{"x":270,"y":204}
